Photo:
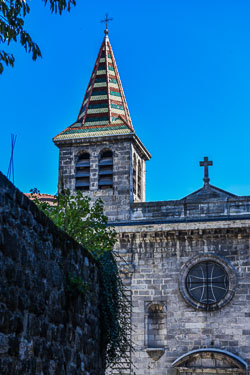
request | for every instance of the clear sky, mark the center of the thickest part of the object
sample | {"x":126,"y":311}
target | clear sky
{"x":185,"y":70}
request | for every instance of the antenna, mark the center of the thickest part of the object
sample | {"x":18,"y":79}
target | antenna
{"x":10,"y":173}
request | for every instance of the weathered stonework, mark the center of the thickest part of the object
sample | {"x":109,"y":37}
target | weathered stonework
{"x":43,"y":329}
{"x":117,"y":200}
{"x":156,"y":254}
{"x":172,"y":331}
{"x":157,"y":240}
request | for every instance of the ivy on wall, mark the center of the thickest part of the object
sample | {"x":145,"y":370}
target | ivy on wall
{"x":87,"y":224}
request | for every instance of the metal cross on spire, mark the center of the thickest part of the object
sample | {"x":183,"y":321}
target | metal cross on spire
{"x":206,"y":163}
{"x":107,"y":19}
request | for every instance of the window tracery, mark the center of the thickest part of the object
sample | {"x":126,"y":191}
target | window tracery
{"x":207,"y":282}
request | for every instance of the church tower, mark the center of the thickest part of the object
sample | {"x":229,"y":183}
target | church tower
{"x":185,"y":263}
{"x":100,"y":154}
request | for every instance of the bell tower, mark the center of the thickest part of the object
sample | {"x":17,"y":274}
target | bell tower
{"x":100,"y":154}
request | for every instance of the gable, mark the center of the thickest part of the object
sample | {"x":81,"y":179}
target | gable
{"x":208,"y":192}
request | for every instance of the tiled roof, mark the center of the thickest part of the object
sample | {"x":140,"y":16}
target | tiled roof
{"x":104,"y":109}
{"x":48,"y":198}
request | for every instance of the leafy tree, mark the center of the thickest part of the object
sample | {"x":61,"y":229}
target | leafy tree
{"x":87,"y":224}
{"x":12,"y":14}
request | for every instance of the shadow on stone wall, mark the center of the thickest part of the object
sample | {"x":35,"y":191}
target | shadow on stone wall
{"x":43,"y":329}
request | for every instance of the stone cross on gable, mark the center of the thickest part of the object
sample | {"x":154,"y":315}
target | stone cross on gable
{"x":206,"y":163}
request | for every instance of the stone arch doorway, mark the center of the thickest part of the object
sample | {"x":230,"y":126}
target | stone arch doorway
{"x":210,"y":361}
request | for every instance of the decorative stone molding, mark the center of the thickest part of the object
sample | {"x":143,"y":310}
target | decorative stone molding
{"x":155,"y":353}
{"x":210,"y":360}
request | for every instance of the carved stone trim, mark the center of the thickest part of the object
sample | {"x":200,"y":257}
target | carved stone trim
{"x":208,"y":370}
{"x":155,"y":353}
{"x":192,"y":362}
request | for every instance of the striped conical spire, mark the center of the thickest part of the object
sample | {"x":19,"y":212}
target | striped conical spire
{"x":104,"y":102}
{"x":104,"y":109}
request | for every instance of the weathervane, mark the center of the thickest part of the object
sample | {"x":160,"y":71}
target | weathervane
{"x":107,"y":19}
{"x":206,"y":163}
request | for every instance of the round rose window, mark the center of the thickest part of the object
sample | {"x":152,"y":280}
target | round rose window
{"x":207,"y":282}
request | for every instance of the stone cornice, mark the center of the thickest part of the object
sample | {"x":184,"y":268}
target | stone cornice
{"x":143,"y":152}
{"x":158,"y":232}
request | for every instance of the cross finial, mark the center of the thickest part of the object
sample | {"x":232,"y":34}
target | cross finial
{"x":106,"y":20}
{"x":206,"y":163}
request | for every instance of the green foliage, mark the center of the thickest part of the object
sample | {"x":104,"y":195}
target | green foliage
{"x":60,"y":5}
{"x":12,"y":14}
{"x":116,"y":309}
{"x":76,"y":285}
{"x":88,"y":226}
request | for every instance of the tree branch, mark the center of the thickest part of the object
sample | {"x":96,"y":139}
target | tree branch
{"x":12,"y":14}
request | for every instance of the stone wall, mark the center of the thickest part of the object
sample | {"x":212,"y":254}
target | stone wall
{"x":43,"y":328}
{"x":117,"y":200}
{"x":154,"y":257}
{"x":139,"y":176}
{"x":181,"y":210}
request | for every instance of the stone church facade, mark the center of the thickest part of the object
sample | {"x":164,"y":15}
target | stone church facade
{"x":186,"y":262}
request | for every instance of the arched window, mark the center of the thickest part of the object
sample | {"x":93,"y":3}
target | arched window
{"x":139,"y":188}
{"x":83,"y":172}
{"x":134,"y":174}
{"x":156,"y":326}
{"x":106,"y":170}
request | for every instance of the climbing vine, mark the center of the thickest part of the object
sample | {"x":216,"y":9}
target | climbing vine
{"x":115,"y":313}
{"x":76,"y":285}
{"x":87,"y":224}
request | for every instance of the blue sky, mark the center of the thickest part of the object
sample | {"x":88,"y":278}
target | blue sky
{"x":185,"y":70}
